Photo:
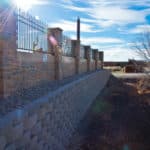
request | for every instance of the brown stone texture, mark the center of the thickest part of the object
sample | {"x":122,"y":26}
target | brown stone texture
{"x":76,"y":54}
{"x":83,"y":65}
{"x":96,"y":59}
{"x":29,"y":69}
{"x":56,"y":33}
{"x":49,"y":122}
{"x":92,"y":65}
{"x":1,"y":69}
{"x":32,"y":68}
{"x":99,"y":63}
{"x":67,"y":66}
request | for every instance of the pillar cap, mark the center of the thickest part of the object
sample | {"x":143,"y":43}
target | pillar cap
{"x":56,"y":28}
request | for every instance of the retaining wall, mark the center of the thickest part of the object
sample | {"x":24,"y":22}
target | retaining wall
{"x":49,"y":122}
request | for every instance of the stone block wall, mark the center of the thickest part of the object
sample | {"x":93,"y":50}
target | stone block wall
{"x":48,"y":122}
{"x":99,"y":64}
{"x":67,"y":65}
{"x":31,"y":69}
{"x":92,"y":65}
{"x":83,"y":66}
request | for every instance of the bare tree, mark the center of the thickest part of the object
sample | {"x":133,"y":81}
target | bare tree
{"x":142,"y":47}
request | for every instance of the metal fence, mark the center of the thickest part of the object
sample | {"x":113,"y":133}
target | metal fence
{"x":82,"y":51}
{"x":66,"y":46}
{"x":31,"y":33}
{"x":91,"y":54}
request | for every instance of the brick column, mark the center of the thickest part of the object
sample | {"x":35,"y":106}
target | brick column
{"x":8,"y":53}
{"x":76,"y":54}
{"x":101,"y":58}
{"x":96,"y":59}
{"x":54,"y":47}
{"x":95,"y":53}
{"x":1,"y":70}
{"x":55,"y":33}
{"x":87,"y":56}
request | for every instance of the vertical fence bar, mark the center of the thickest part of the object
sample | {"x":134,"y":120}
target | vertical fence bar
{"x":31,"y":32}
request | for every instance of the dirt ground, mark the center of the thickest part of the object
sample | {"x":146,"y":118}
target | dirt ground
{"x":119,"y":119}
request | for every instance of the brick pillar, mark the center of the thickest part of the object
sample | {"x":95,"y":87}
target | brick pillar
{"x":54,"y":47}
{"x":95,"y":53}
{"x":101,"y":58}
{"x":1,"y":70}
{"x":76,"y":54}
{"x":58,"y":61}
{"x":96,"y":59}
{"x":87,"y":56}
{"x":55,"y":33}
{"x":8,"y":53}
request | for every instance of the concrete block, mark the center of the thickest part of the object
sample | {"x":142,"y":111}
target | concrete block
{"x":37,"y":128}
{"x":2,"y":142}
{"x":41,"y":113}
{"x":10,"y":147}
{"x":27,"y":137}
{"x":17,"y":131}
{"x":30,"y":121}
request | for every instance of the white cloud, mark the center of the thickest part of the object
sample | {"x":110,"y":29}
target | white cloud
{"x":100,"y":40}
{"x":107,"y":12}
{"x":101,"y":23}
{"x":117,"y":15}
{"x":140,"y":29}
{"x":124,"y":3}
{"x":120,"y":54}
{"x":72,"y":7}
{"x":71,"y":26}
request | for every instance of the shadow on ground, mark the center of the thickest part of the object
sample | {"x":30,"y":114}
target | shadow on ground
{"x":119,"y":119}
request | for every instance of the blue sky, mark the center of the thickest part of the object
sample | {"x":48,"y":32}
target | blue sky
{"x":109,"y":25}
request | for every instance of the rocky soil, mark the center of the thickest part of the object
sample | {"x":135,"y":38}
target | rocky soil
{"x":119,"y":119}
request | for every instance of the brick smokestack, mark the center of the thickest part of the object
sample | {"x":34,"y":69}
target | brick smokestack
{"x":78,"y":29}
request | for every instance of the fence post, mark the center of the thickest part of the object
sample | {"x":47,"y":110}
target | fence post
{"x":54,"y":47}
{"x":101,"y":58}
{"x":87,"y":56}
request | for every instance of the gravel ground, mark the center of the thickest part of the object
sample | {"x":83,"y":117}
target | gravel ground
{"x":23,"y":97}
{"x":119,"y":119}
